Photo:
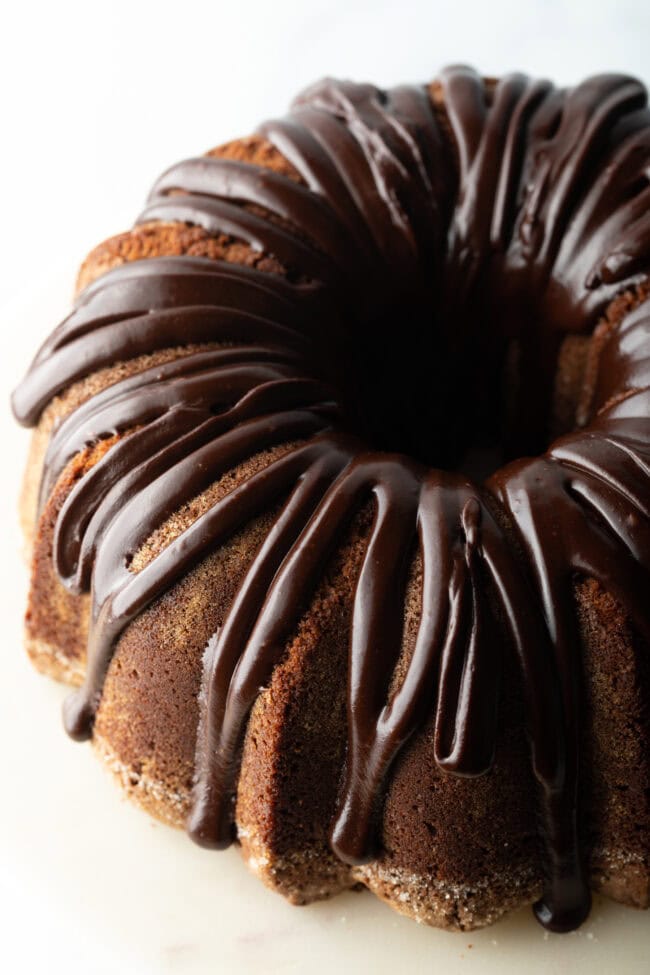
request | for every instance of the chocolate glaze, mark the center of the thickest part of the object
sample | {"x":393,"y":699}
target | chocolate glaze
{"x":521,"y":227}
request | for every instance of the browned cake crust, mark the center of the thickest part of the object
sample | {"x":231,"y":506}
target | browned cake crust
{"x":457,"y":853}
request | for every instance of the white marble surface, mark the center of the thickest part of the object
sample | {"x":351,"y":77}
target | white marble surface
{"x":87,"y":884}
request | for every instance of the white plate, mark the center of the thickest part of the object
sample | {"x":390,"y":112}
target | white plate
{"x":90,"y":884}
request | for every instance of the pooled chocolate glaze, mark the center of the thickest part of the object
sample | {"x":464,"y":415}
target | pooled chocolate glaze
{"x":523,"y":226}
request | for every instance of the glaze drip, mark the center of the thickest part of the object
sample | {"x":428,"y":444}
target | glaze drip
{"x":523,"y":226}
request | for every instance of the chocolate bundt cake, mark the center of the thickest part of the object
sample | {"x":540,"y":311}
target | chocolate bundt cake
{"x":283,"y":538}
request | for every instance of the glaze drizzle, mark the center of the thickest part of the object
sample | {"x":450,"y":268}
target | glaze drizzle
{"x":537,"y":212}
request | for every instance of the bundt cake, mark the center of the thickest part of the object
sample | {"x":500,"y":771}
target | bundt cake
{"x":283,"y":538}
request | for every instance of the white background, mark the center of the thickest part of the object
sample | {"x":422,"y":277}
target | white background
{"x":96,"y":99}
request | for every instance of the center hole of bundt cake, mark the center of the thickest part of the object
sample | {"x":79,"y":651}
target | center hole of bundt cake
{"x":460,"y":396}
